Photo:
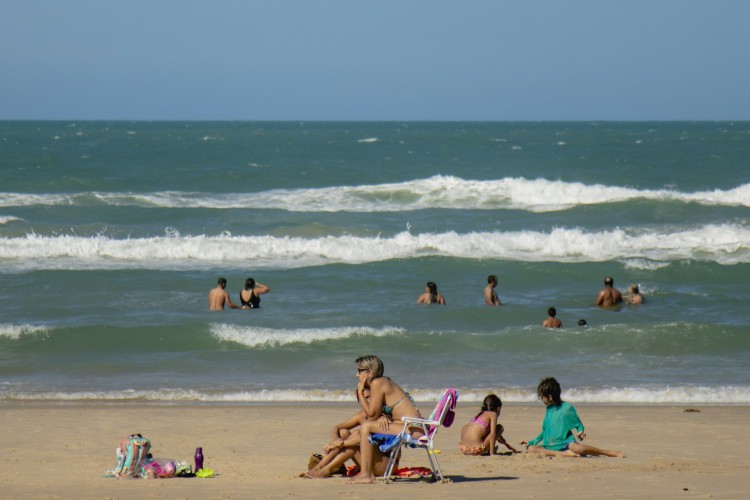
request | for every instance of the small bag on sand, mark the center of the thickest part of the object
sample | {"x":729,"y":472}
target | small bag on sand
{"x":315,"y":459}
{"x":130,"y":455}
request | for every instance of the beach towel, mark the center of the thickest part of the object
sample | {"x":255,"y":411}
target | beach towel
{"x":451,"y":414}
{"x":385,"y":442}
{"x":412,"y":472}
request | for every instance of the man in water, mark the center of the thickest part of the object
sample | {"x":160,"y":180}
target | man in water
{"x":490,"y":295}
{"x":609,"y":296}
{"x":217,"y":297}
{"x":552,"y":321}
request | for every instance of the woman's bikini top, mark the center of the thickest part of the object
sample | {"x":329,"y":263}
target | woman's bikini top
{"x":254,"y":301}
{"x":388,"y":410}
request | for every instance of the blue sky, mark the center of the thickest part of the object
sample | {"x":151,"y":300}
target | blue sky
{"x":375,"y":60}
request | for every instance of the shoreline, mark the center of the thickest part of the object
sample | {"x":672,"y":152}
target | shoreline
{"x":63,"y":451}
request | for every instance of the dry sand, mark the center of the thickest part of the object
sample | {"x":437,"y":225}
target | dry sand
{"x":63,"y":451}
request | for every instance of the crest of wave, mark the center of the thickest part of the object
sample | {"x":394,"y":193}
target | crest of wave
{"x":4,"y":219}
{"x":449,"y":192}
{"x":269,"y":337}
{"x":440,"y":191}
{"x":725,"y":244}
{"x":17,"y":331}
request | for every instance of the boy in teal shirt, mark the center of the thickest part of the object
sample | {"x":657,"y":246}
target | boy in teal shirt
{"x":561,"y":427}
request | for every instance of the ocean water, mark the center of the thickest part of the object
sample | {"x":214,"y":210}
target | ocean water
{"x":112,"y":234}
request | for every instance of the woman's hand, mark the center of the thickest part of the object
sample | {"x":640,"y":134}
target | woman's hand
{"x":384,"y":423}
{"x":336,"y":443}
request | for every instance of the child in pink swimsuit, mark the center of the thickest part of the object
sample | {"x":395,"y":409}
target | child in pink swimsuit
{"x":479,"y":435}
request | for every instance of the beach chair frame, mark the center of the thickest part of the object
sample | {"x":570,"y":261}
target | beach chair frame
{"x":430,"y":427}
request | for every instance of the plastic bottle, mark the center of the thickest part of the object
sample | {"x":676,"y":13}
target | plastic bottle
{"x":198,"y":459}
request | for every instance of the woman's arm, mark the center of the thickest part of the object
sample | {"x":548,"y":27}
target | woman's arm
{"x":261,"y":289}
{"x":348,"y":424}
{"x":374,"y":407}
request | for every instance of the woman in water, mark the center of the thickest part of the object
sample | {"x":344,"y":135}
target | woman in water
{"x":250,"y":296}
{"x":431,"y":295}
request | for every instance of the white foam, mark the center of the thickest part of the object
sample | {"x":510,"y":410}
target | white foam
{"x":537,"y":195}
{"x":15,"y":332}
{"x":369,"y":140}
{"x":426,"y":397}
{"x":725,"y":244}
{"x":270,"y":337}
{"x":4,"y":219}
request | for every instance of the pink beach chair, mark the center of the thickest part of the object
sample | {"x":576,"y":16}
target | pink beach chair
{"x":441,"y":416}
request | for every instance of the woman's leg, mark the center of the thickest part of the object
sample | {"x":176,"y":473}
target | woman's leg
{"x":367,"y":452}
{"x":337,"y":461}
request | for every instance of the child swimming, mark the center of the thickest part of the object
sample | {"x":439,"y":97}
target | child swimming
{"x":479,"y":435}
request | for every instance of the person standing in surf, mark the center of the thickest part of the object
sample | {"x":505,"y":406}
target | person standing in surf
{"x":218,"y":297}
{"x":431,"y":295}
{"x":552,"y":321}
{"x":490,"y":295}
{"x":609,"y":296}
{"x":250,"y":295}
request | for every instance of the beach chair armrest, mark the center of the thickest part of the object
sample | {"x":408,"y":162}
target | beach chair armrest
{"x":420,"y":421}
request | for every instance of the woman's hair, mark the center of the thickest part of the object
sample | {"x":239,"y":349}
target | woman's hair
{"x":550,"y":388}
{"x":552,"y":312}
{"x":491,"y":278}
{"x":490,"y":403}
{"x":372,"y":363}
{"x":432,"y":287}
{"x":249,"y":284}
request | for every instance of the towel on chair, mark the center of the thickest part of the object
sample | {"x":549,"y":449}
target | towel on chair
{"x":385,"y":442}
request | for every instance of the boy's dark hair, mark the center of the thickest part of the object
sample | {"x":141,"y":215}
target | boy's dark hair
{"x":550,"y":388}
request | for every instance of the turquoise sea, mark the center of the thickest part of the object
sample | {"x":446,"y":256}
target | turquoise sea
{"x":112,"y":234}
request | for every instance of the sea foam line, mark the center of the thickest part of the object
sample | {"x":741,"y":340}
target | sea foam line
{"x":724,"y":243}
{"x":448,"y":192}
{"x":270,"y":337}
{"x":679,"y":395}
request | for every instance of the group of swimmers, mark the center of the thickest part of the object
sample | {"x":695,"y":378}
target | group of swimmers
{"x":383,"y":404}
{"x":608,"y":297}
{"x":249,"y":296}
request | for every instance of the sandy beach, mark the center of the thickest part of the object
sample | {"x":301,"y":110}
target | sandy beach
{"x":63,"y":451}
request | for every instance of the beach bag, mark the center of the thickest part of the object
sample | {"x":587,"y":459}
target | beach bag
{"x":131,"y":454}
